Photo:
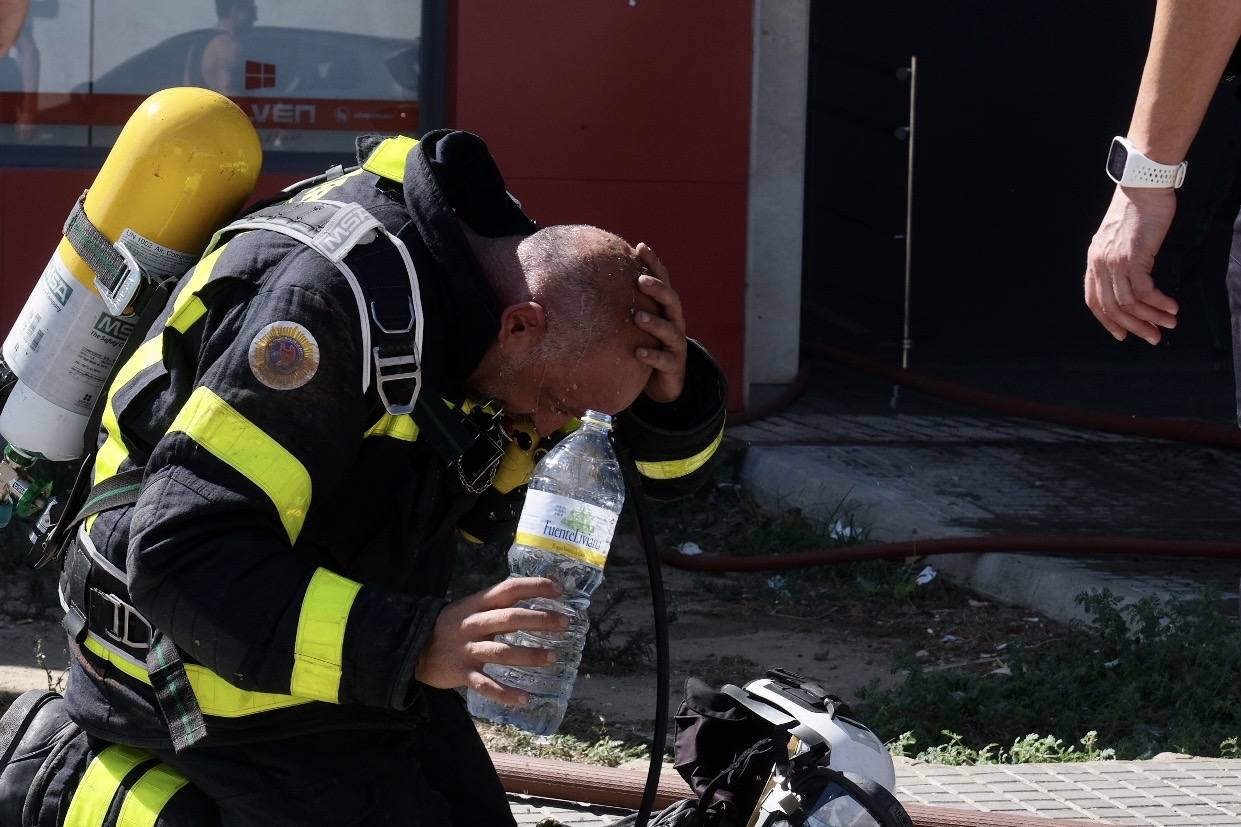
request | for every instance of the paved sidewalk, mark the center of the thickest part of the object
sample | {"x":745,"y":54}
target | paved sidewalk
{"x":932,"y":470}
{"x":1162,"y":793}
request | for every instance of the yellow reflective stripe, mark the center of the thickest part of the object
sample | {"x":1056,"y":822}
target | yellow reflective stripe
{"x":113,"y":451}
{"x":220,"y":698}
{"x":319,"y":649}
{"x":215,"y":695}
{"x":96,"y":647}
{"x":398,"y":427}
{"x":388,"y":159}
{"x":671,"y":469}
{"x":319,"y":190}
{"x":236,"y":441}
{"x":469,"y":405}
{"x":148,"y":797}
{"x":525,"y":538}
{"x":99,"y":784}
{"x":188,"y":308}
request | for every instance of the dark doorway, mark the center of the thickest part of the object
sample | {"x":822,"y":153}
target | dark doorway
{"x":1017,"y":103}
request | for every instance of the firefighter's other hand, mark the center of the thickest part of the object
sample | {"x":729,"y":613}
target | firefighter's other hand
{"x":1119,"y":289}
{"x":668,"y":360}
{"x":461,"y":642}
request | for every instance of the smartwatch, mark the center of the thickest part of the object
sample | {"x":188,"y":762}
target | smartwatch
{"x":1127,"y":166}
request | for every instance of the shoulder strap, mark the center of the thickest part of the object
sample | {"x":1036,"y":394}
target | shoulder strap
{"x":391,"y":348}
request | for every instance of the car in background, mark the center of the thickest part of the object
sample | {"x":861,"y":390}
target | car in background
{"x":308,"y":63}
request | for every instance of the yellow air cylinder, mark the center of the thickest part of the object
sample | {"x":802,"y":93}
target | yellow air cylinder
{"x":184,"y":164}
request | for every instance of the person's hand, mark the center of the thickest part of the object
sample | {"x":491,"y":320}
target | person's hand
{"x":1119,"y":289}
{"x":461,"y":642}
{"x":668,"y":379}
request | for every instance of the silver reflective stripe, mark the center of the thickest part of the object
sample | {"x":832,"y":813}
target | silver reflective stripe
{"x":115,"y":652}
{"x":98,"y":559}
{"x":413,"y":291}
{"x":349,"y":227}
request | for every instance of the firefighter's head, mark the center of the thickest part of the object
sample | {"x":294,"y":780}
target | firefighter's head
{"x":567,"y":339}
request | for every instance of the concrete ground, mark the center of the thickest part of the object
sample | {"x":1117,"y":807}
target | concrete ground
{"x":933,"y":470}
{"x":1161,"y":793}
{"x":929,"y":469}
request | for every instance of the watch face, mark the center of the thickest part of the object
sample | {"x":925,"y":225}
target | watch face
{"x":1116,"y":159}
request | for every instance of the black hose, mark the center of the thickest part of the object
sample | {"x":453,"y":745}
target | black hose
{"x":663,"y":663}
{"x":1005,"y":543}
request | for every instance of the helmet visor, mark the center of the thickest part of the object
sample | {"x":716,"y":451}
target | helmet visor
{"x":836,"y":807}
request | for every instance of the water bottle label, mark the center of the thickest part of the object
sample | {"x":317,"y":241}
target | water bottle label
{"x":566,"y":526}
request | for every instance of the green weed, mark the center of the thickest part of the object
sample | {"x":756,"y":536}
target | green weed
{"x":1029,"y":749}
{"x":1146,"y":678}
{"x":604,"y":654}
{"x":584,"y":737}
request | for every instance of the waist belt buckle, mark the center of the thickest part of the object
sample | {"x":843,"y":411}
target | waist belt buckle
{"x":122,"y":615}
{"x":117,"y":297}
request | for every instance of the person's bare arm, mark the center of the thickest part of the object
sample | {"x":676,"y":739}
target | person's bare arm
{"x":28,"y":65}
{"x":221,"y":64}
{"x":1190,"y":45}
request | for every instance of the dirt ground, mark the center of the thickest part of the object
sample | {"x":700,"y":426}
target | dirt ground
{"x":730,"y":628}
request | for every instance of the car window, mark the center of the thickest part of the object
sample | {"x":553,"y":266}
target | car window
{"x":311,"y":83}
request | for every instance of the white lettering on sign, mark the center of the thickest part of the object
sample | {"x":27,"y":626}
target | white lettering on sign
{"x":290,"y":114}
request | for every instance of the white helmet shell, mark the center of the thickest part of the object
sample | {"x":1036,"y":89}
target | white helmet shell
{"x":855,"y":749}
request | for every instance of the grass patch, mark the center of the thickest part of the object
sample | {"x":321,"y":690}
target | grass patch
{"x":584,"y":738}
{"x":608,"y":653}
{"x":1144,"y":678}
{"x":1030,"y":749}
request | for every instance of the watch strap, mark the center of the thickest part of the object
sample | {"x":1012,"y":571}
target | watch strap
{"x":1142,"y":172}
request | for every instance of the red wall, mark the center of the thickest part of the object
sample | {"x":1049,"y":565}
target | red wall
{"x":34,"y":204}
{"x":634,"y":117}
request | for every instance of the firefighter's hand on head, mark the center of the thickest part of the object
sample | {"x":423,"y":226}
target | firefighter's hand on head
{"x":668,"y":326}
{"x":461,"y":642}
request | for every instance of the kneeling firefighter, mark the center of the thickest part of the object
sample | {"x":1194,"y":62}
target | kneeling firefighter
{"x":255,"y":583}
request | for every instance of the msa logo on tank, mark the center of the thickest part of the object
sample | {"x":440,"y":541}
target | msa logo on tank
{"x":58,"y":289}
{"x":284,"y":356}
{"x":64,"y":342}
{"x":113,"y":328}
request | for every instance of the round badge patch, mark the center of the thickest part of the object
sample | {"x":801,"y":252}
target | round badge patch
{"x":284,"y":356}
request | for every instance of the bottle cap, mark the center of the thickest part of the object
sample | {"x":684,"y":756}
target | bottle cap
{"x":598,"y":418}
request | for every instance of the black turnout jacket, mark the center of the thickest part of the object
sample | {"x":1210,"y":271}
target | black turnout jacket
{"x":293,"y":542}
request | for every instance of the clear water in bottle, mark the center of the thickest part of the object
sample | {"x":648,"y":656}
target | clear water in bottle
{"x":575,"y":495}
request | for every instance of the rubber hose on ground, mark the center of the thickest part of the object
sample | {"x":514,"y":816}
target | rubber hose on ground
{"x":1009,"y":544}
{"x":561,"y":780}
{"x":1197,"y":433}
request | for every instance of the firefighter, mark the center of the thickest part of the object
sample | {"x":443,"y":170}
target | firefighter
{"x":258,"y":606}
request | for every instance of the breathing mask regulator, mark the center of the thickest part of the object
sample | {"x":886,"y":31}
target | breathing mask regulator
{"x":780,"y":752}
{"x":834,"y":772}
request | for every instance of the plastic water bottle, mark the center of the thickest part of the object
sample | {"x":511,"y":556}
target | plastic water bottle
{"x":566,"y":527}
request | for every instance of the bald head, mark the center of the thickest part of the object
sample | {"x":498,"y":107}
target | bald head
{"x":570,"y":294}
{"x":586,"y":279}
